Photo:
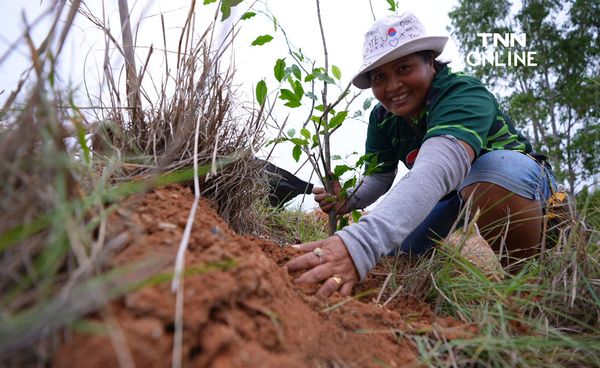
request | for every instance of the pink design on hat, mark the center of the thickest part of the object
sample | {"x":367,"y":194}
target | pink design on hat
{"x":379,"y":48}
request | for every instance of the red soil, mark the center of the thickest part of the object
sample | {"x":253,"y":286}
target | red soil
{"x":250,"y":314}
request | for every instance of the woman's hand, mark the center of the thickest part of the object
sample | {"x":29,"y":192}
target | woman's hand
{"x":328,"y":201}
{"x":326,"y":260}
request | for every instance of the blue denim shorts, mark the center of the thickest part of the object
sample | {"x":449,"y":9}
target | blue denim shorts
{"x":514,"y":171}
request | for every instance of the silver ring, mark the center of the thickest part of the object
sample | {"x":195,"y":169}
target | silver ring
{"x":319,"y":253}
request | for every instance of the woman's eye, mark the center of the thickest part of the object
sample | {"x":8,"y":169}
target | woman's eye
{"x":376,"y":77}
{"x":403,"y":68}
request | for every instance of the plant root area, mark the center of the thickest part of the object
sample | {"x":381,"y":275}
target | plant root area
{"x":241,"y":308}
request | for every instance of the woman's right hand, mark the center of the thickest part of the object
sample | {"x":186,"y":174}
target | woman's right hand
{"x":328,"y":201}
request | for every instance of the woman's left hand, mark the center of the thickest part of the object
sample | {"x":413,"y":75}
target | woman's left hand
{"x":326,"y":260}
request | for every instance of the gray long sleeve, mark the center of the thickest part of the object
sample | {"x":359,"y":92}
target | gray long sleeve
{"x":441,"y":166}
{"x":371,"y":188}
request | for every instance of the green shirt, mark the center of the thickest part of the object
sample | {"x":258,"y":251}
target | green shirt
{"x":456,"y":105}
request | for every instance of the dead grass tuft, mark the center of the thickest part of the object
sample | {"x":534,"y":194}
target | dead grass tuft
{"x":160,"y":139}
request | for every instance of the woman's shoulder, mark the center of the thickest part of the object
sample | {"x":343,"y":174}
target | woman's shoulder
{"x":448,"y":77}
{"x":456,"y":85}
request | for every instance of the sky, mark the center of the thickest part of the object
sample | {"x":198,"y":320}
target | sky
{"x":344,"y":22}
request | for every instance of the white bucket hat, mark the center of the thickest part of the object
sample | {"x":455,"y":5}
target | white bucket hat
{"x":393,"y":37}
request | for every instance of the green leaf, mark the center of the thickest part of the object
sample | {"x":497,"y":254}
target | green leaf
{"x":311,"y":95}
{"x":373,"y":166}
{"x":309,"y":77}
{"x":340,"y":170}
{"x":261,"y":40}
{"x":81,"y":132}
{"x":336,"y":72}
{"x":261,"y":92}
{"x":279,"y":69}
{"x":293,"y":100}
{"x":276,"y":141}
{"x":325,"y":78}
{"x":296,"y":153}
{"x":356,"y":216}
{"x":315,"y":139}
{"x":336,"y":157}
{"x":291,"y":132}
{"x":299,"y":142}
{"x":367,"y":103}
{"x":299,"y":55}
{"x":392,"y":4}
{"x":293,"y":104}
{"x":248,"y":15}
{"x":286,"y":94}
{"x":364,"y":158}
{"x":338,"y":119}
{"x":298,"y":90}
{"x":296,"y":71}
{"x":305,"y":133}
{"x":206,"y":2}
{"x":343,"y":223}
{"x":226,"y":6}
{"x":349,"y":184}
{"x":321,"y":74}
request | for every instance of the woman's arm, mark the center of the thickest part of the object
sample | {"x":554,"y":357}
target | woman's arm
{"x":442,"y":164}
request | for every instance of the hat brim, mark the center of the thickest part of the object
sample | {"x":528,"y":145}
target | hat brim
{"x":434,"y":43}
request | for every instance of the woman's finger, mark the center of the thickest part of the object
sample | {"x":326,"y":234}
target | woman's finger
{"x":326,"y":207}
{"x":316,"y":274}
{"x":308,"y":260}
{"x":330,"y":286}
{"x":303,"y":262}
{"x":318,"y":190}
{"x":322,"y":197}
{"x":346,"y":289}
{"x":310,"y":246}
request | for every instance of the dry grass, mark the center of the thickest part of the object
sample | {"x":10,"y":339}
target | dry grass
{"x":160,"y":138}
{"x":53,"y":206}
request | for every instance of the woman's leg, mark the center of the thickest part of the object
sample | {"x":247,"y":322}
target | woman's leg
{"x":511,"y":190}
{"x":435,"y":227}
{"x":501,"y":207}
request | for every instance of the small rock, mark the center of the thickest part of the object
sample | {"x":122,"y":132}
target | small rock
{"x":147,"y":218}
{"x":167,"y":226}
{"x":476,"y":249}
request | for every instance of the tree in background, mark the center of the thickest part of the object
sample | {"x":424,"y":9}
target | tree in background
{"x":556,"y":102}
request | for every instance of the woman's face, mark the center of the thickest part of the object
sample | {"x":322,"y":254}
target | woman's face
{"x":401,"y":85}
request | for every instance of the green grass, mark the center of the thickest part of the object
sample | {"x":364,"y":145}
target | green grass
{"x":548,"y":314}
{"x":290,"y":226}
{"x":545,"y":315}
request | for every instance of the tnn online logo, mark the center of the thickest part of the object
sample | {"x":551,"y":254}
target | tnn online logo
{"x":507,"y":56}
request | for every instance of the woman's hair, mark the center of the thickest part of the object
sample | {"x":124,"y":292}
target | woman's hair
{"x":428,"y":55}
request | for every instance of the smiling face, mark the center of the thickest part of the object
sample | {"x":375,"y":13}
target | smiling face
{"x":401,"y":85}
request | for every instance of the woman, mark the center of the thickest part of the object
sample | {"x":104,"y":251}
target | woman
{"x":449,"y":131}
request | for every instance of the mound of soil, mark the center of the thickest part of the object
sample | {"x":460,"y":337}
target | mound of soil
{"x":241,"y":309}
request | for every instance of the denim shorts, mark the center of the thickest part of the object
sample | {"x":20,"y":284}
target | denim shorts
{"x":514,"y":171}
